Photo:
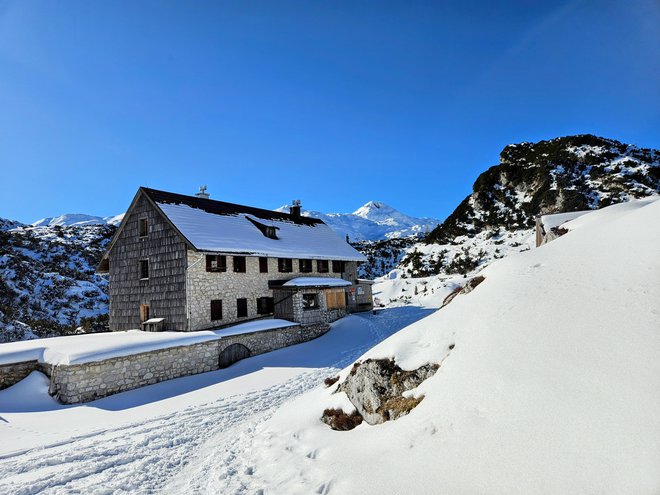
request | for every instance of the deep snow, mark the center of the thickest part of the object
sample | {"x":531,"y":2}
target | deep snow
{"x":548,"y":384}
{"x":138,"y":441}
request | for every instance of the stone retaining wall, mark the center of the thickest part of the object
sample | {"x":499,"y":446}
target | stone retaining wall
{"x":76,"y":383}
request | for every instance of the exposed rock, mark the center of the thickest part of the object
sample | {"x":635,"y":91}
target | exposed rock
{"x":468,"y":287}
{"x":376,"y":387}
{"x":472,"y":284}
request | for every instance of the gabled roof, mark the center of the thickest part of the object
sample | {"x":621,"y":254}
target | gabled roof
{"x":214,"y":226}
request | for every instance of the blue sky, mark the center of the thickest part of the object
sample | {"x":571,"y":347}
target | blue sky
{"x":335,"y":103}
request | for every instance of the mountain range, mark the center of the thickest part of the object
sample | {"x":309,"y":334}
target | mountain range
{"x":48,"y":285}
{"x":373,"y":221}
{"x":77,"y":220}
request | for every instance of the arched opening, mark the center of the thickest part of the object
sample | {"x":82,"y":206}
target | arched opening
{"x":233,"y":353}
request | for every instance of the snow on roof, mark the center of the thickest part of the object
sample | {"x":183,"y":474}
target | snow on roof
{"x":555,"y":220}
{"x":216,"y":226}
{"x":316,"y":282}
{"x":254,"y":326}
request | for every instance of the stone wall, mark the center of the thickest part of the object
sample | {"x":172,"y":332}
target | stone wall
{"x":76,"y":383}
{"x":228,"y":286}
{"x":262,"y":342}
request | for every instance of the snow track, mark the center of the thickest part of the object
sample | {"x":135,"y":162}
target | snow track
{"x":199,"y":448}
{"x":141,"y":457}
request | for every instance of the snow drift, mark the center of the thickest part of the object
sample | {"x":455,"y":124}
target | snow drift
{"x":551,"y":385}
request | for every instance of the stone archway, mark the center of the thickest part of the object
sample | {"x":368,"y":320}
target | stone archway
{"x":231,"y":354}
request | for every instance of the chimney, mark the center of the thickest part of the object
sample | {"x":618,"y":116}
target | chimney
{"x":202,"y":193}
{"x":294,"y":209}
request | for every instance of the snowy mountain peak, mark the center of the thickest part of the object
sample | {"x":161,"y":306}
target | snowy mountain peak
{"x":374,"y":208}
{"x":373,"y":221}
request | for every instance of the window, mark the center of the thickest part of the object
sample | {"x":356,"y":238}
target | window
{"x":144,"y":269}
{"x":310,"y":301}
{"x":285,"y":265}
{"x":216,"y":310}
{"x":263,"y":265}
{"x":269,"y":231}
{"x":144,"y":312}
{"x":337,"y":266}
{"x":305,"y":266}
{"x":322,"y":266}
{"x":144,"y":227}
{"x":265,"y":305}
{"x":239,"y":264}
{"x":241,"y":307}
{"x":335,"y":298}
{"x":216,"y":263}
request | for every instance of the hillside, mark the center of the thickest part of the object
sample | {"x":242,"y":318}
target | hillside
{"x":570,"y":173}
{"x":48,"y":284}
{"x":547,"y":382}
{"x":47,"y":279}
{"x":565,"y":174}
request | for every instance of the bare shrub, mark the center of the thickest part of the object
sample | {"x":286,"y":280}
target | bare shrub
{"x":338,"y":420}
{"x":331,"y":380}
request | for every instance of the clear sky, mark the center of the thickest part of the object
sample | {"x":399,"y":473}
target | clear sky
{"x":332,"y":102}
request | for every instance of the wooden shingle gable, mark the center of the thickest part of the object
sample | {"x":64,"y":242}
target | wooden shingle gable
{"x":103,"y":266}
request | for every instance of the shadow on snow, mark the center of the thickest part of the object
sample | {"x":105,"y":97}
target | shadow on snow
{"x":347,"y":340}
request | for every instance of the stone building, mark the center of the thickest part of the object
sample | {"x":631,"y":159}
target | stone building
{"x":188,"y":263}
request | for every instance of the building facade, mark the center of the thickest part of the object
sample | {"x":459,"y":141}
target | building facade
{"x":192,"y":263}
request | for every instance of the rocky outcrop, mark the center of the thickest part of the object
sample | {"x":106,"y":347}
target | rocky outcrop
{"x":565,"y":174}
{"x":376,"y":387}
{"x":468,"y":287}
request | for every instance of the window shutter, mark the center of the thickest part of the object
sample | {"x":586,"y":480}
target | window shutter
{"x":208,"y":263}
{"x":216,"y":309}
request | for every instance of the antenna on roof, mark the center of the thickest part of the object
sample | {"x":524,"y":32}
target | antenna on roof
{"x":294,"y":209}
{"x":202,"y":193}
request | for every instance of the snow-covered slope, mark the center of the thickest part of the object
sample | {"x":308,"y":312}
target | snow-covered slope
{"x":373,"y":221}
{"x":565,"y":174}
{"x":47,"y":279}
{"x":77,"y":219}
{"x":548,"y":382}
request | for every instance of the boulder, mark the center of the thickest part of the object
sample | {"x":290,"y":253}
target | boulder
{"x":376,"y":387}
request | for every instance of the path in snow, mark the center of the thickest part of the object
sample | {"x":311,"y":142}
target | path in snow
{"x":206,"y":446}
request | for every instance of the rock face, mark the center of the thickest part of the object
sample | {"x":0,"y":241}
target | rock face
{"x":571,"y":173}
{"x":375,"y":388}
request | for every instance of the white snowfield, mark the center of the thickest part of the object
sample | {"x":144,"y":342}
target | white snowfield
{"x":552,"y":386}
{"x":77,"y":349}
